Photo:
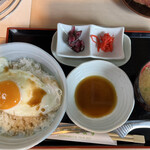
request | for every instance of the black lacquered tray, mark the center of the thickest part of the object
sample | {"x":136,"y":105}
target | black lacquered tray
{"x":140,"y":44}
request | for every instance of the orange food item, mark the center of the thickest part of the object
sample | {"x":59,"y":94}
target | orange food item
{"x":97,"y":41}
{"x":105,"y":43}
{"x":9,"y":94}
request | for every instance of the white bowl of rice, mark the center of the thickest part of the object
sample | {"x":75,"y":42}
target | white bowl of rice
{"x":41,"y":95}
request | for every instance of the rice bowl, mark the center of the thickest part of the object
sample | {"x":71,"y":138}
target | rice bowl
{"x":12,"y":52}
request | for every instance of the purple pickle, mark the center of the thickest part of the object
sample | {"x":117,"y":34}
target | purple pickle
{"x":74,"y":42}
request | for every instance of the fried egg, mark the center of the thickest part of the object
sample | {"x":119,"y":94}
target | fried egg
{"x":23,"y":94}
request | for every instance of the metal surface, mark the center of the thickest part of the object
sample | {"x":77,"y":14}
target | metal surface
{"x":131,"y":125}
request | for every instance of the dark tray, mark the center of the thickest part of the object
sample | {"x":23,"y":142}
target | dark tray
{"x":140,"y":43}
{"x":138,"y":8}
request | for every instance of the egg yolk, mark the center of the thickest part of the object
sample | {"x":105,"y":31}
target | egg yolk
{"x":9,"y":94}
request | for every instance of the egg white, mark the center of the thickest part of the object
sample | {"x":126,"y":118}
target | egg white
{"x":26,"y":82}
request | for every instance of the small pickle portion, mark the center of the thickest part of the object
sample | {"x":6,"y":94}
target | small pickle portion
{"x":74,"y":42}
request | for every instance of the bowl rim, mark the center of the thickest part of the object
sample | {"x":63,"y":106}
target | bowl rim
{"x":134,"y":10}
{"x":5,"y":46}
{"x":128,"y":113}
{"x":137,"y":92}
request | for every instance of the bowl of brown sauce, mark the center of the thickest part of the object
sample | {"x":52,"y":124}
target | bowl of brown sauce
{"x":100,"y":96}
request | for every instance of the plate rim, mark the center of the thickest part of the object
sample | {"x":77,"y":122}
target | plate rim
{"x":135,"y":11}
{"x":63,"y":59}
{"x":128,"y":113}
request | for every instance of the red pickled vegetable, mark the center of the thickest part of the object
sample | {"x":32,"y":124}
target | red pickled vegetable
{"x":97,"y":41}
{"x":105,"y":43}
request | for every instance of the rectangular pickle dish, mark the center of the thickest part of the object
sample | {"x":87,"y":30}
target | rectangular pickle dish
{"x":95,"y":39}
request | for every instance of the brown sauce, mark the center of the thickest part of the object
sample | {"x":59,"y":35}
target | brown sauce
{"x":37,"y":108}
{"x":6,"y":69}
{"x":37,"y":96}
{"x":42,"y":109}
{"x":95,"y":96}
